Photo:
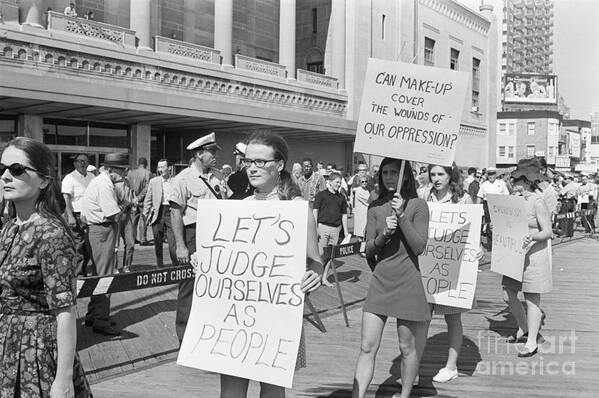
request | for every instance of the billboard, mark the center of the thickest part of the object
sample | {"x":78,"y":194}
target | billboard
{"x":528,"y":88}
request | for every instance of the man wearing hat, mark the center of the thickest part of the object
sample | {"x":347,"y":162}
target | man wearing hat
{"x":101,"y":211}
{"x":199,"y":181}
{"x":239,"y":182}
{"x":73,"y":186}
{"x":493,"y":185}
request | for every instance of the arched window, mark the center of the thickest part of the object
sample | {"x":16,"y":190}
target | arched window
{"x":314,"y":61}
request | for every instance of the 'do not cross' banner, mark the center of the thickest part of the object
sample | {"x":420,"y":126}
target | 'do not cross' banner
{"x":449,"y":266}
{"x":246,"y":315}
{"x":510,"y":226}
{"x":411,"y":112}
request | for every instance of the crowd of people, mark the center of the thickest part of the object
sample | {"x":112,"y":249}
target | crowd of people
{"x":54,"y":233}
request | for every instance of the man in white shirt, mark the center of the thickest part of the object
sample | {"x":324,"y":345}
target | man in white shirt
{"x":569,"y":195}
{"x":100,"y":209}
{"x":73,"y":187}
{"x":70,"y":10}
{"x":585,"y":196}
{"x":493,"y":185}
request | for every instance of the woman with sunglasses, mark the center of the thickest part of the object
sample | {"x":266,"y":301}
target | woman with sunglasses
{"x":447,"y":187}
{"x":396,"y":233}
{"x":360,"y":194}
{"x":266,"y":157}
{"x":37,"y":272}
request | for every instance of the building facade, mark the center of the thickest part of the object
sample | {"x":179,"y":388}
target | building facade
{"x":595,"y":135}
{"x":527,"y":134}
{"x":147,"y":77}
{"x":527,"y":37}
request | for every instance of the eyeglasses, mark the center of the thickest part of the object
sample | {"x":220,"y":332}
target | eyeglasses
{"x":364,"y":182}
{"x":260,"y":163}
{"x":16,"y":169}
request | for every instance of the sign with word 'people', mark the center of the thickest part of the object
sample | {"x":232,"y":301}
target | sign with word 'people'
{"x":246,"y":316}
{"x":510,"y":226}
{"x":449,"y":264}
{"x":411,"y":112}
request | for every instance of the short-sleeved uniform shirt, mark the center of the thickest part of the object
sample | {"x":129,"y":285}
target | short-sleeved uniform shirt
{"x":75,"y":185}
{"x":100,"y":200}
{"x":331,"y":207}
{"x":188,"y":188}
{"x":498,"y":187}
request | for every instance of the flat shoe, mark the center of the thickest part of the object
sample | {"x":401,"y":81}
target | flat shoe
{"x":444,"y":375}
{"x":107,"y":330}
{"x":527,"y":353}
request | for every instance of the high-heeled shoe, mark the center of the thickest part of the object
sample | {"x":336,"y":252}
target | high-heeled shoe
{"x":526,"y":353}
{"x":513,"y":339}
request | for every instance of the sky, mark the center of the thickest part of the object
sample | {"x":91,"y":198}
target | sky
{"x":575,"y":52}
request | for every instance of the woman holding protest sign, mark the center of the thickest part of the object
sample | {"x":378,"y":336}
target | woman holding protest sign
{"x":536,"y":278}
{"x":265,"y":159}
{"x":37,"y":281}
{"x":396,"y":233}
{"x":447,"y":187}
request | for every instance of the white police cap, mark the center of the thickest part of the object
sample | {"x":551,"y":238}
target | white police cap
{"x":205,"y":142}
{"x":240,"y":148}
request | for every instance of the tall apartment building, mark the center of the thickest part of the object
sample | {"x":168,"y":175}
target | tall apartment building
{"x":595,"y":134}
{"x":527,"y":37}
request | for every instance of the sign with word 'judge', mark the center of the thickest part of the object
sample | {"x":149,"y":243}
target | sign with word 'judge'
{"x":246,"y":316}
{"x":411,"y":112}
{"x":449,"y":264}
{"x":510,"y":226}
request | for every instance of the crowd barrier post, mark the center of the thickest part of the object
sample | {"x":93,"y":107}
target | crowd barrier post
{"x":337,"y":285}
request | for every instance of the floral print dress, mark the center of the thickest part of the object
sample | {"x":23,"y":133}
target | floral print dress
{"x":37,"y":277}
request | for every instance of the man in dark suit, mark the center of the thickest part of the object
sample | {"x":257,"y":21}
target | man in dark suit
{"x":157,"y":212}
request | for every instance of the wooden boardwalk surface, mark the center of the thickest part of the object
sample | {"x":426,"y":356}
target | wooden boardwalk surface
{"x":141,"y":362}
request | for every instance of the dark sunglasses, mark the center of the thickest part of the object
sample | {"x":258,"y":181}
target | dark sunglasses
{"x":16,"y":169}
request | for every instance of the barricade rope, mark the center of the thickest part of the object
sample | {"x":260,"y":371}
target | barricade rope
{"x":95,"y":285}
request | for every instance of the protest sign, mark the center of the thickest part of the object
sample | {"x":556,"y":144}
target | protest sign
{"x":411,"y":112}
{"x":449,"y":266}
{"x":246,"y":316}
{"x":510,"y":226}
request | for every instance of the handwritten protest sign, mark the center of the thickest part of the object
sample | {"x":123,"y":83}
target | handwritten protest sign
{"x":449,"y":266}
{"x":246,"y":316}
{"x":508,"y":216}
{"x":411,"y":112}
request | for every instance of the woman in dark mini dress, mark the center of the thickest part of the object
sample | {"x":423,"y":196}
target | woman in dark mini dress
{"x":396,"y":233}
{"x":37,"y":281}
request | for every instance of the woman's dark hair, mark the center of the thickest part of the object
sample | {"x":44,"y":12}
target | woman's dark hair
{"x":287,"y":188}
{"x":50,"y":201}
{"x":455,"y":181}
{"x":408,"y":186}
{"x":534,"y":185}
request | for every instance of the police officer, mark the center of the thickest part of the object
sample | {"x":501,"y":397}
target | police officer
{"x":199,"y":181}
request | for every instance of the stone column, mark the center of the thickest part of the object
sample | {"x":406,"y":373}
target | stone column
{"x":287,"y":36}
{"x":140,"y":18}
{"x":30,"y":126}
{"x":338,"y":41}
{"x":223,"y":30}
{"x":141,"y":138}
{"x":31,"y":12}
